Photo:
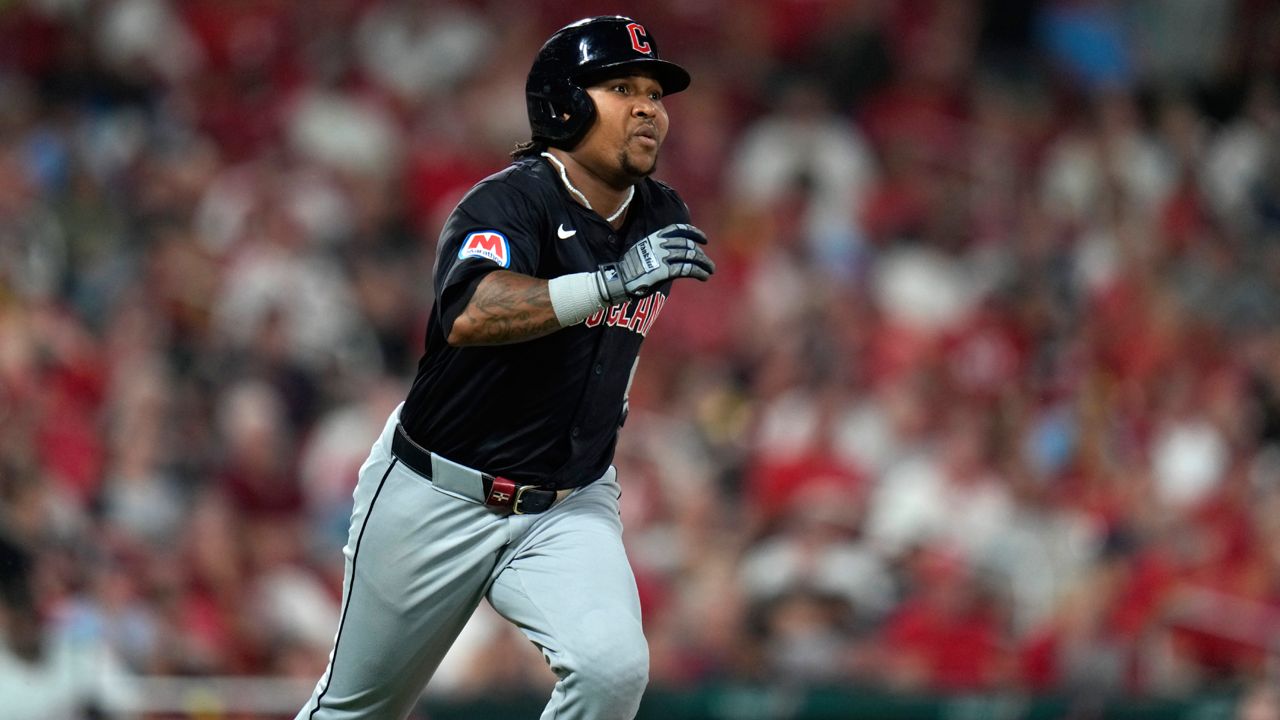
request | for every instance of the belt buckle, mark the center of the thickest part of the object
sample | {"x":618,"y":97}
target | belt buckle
{"x":515,"y":502}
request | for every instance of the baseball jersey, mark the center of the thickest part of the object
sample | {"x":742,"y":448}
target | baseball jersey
{"x":547,"y":410}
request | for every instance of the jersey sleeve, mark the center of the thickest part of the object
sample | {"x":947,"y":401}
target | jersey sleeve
{"x":495,"y":227}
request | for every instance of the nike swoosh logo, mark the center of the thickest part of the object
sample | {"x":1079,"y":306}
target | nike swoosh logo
{"x":565,"y":234}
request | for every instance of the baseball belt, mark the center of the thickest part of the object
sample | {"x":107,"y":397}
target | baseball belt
{"x":486,"y":489}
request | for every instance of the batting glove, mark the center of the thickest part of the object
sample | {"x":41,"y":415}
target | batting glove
{"x":673,"y":252}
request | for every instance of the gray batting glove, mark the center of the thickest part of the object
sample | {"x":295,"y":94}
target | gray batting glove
{"x":673,"y":252}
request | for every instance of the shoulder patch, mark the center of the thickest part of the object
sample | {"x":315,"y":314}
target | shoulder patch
{"x":486,"y":245}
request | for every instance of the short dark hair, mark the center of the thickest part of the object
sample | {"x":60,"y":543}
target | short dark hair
{"x":528,"y":148}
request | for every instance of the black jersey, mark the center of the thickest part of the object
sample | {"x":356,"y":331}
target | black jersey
{"x":548,"y":410}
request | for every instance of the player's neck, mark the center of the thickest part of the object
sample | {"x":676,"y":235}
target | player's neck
{"x":590,"y":189}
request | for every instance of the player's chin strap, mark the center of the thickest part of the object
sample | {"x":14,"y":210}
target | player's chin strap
{"x":564,"y":177}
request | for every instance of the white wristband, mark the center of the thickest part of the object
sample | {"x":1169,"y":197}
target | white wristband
{"x":574,"y":297}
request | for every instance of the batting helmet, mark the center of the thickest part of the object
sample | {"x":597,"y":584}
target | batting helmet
{"x":560,"y":111}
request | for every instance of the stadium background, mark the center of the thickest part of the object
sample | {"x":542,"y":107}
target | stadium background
{"x":983,"y":401}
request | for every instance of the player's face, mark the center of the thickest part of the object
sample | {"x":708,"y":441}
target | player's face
{"x":630,"y":125}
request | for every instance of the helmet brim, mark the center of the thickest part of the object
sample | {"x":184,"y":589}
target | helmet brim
{"x":669,"y":75}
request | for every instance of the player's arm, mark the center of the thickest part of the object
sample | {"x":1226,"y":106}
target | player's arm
{"x":506,"y":307}
{"x":509,"y":307}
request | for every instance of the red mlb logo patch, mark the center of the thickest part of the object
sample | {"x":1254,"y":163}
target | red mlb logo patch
{"x":487,"y":245}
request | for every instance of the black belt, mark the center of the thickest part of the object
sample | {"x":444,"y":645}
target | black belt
{"x":497,"y":492}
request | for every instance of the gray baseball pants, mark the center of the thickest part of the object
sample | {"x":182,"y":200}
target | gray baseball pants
{"x":419,"y":558}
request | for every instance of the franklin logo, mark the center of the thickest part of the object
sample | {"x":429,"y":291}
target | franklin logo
{"x":486,"y":245}
{"x":647,"y":257}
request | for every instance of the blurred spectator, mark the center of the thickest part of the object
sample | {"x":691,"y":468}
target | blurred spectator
{"x":331,"y":456}
{"x":1110,"y":168}
{"x":949,"y":495}
{"x":422,"y":51}
{"x":1261,"y":702}
{"x":817,"y":548}
{"x":947,"y":635}
{"x":55,"y":662}
{"x":1237,"y":159}
{"x":804,"y":153}
{"x":1087,"y":39}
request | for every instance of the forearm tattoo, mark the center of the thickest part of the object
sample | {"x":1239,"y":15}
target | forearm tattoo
{"x":508,"y":307}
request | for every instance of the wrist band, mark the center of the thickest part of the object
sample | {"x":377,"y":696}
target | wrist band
{"x":574,"y":297}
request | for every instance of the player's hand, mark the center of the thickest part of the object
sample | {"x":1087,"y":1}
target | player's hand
{"x":673,"y":252}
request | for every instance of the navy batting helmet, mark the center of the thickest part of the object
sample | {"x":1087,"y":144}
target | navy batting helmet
{"x":560,"y":111}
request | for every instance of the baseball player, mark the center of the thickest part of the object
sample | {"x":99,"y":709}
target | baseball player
{"x":493,"y":479}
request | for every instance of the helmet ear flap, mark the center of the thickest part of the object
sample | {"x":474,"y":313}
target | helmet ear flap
{"x":560,"y":111}
{"x":581,"y":111}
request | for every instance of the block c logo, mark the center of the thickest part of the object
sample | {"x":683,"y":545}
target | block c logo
{"x":639,"y":41}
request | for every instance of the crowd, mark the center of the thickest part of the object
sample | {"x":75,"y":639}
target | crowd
{"x":985,"y":392}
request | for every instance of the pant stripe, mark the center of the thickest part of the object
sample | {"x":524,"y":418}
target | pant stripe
{"x":351,"y":589}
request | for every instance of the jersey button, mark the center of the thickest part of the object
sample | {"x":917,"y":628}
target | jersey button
{"x":599,"y":368}
{"x":574,"y":432}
